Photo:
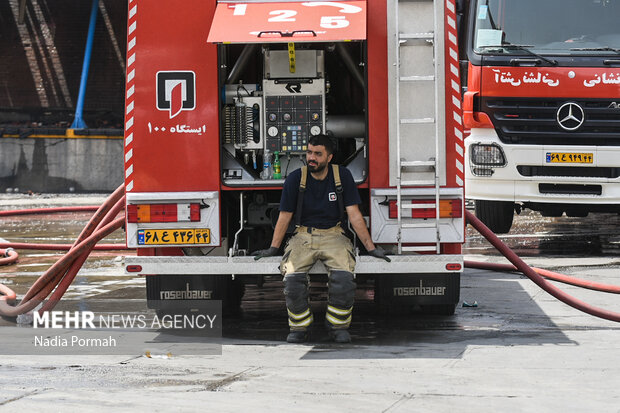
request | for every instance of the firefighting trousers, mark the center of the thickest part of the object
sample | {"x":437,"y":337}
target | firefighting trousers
{"x":334,"y":249}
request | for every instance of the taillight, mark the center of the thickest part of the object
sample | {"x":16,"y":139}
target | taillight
{"x":132,"y":213}
{"x":144,"y":213}
{"x":134,"y":268}
{"x":425,"y":208}
{"x":194,"y":212}
{"x":450,"y":208}
{"x":164,"y":213}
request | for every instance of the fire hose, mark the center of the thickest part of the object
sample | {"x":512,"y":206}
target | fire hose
{"x":534,"y":276}
{"x":61,"y":274}
{"x":563,"y":278}
{"x":34,"y":211}
{"x":10,"y":256}
{"x":58,"y":277}
{"x":49,"y":247}
{"x":55,"y":247}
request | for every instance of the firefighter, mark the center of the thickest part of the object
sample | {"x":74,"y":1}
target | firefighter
{"x":318,"y":201}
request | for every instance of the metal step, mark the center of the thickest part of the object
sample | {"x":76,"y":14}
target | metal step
{"x":423,"y":248}
{"x":421,"y":225}
{"x":417,"y":121}
{"x":421,"y":182}
{"x":417,"y":78}
{"x":414,"y":36}
{"x":416,"y":163}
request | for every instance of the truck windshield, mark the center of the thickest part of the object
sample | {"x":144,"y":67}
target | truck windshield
{"x":562,"y":27}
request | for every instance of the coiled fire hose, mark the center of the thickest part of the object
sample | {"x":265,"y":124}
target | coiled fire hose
{"x":60,"y":275}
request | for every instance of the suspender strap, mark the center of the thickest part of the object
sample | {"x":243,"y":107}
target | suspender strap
{"x":336,"y":170}
{"x":300,"y":195}
{"x":304,"y":177}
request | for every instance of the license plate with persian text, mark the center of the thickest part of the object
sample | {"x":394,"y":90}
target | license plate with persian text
{"x":569,"y":157}
{"x":174,"y":236}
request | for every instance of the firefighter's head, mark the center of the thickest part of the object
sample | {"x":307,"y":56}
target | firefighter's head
{"x":320,"y":152}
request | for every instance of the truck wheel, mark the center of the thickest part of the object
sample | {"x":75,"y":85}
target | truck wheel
{"x":497,"y":215}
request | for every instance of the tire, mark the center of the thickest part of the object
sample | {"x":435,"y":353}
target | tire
{"x":497,"y":215}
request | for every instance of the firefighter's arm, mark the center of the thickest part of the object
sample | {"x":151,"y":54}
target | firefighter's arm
{"x":284,"y":219}
{"x":359,"y":225}
{"x":278,"y":235}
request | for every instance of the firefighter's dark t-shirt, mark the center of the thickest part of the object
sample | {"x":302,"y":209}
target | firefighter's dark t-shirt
{"x":320,"y":206}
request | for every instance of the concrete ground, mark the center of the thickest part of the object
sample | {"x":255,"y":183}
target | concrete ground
{"x":518,"y":350}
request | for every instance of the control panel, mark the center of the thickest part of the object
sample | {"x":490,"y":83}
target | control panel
{"x":291,"y":120}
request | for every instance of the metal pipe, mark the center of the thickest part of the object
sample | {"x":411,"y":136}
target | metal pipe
{"x":78,"y":122}
{"x":346,"y":126}
{"x":245,"y":55}
{"x":232,"y":251}
{"x":350,"y":64}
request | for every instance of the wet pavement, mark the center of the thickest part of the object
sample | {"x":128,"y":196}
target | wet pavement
{"x":518,"y":350}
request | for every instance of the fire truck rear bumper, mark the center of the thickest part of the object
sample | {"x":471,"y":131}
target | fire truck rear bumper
{"x":401,"y":264}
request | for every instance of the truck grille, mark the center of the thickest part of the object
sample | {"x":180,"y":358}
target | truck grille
{"x":570,"y":171}
{"x":533,"y":121}
{"x":570,"y":189}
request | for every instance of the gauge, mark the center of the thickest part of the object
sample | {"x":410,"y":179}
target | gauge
{"x":315,"y":130}
{"x":272,"y":131}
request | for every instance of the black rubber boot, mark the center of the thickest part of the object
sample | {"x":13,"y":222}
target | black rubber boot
{"x":340,"y":336}
{"x":297,"y":337}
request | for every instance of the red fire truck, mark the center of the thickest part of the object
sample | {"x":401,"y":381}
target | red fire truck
{"x":217,"y":89}
{"x":543,"y":106}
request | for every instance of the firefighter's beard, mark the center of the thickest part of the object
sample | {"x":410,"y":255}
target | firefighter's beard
{"x":316,"y":167}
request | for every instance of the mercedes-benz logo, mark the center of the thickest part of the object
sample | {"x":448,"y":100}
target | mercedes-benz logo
{"x":570,"y":116}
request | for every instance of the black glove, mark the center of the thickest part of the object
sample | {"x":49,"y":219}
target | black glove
{"x":379,"y":253}
{"x":269,"y":252}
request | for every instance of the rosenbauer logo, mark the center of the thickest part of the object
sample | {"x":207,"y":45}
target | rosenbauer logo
{"x":176,"y":91}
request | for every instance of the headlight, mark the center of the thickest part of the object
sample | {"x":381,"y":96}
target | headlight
{"x":487,"y":155}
